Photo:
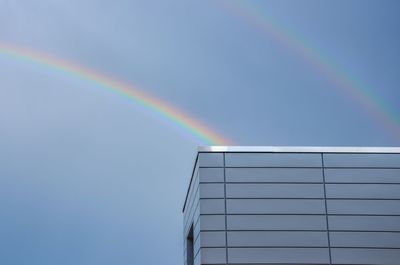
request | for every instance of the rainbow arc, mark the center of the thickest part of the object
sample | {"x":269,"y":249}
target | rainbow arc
{"x":161,"y":107}
{"x":342,"y":81}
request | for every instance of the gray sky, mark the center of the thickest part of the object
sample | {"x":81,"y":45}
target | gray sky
{"x":88,"y":177}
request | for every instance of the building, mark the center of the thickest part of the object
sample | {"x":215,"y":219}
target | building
{"x":293,"y":205}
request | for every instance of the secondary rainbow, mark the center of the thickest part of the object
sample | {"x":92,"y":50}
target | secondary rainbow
{"x":162,"y":108}
{"x":343,"y":81}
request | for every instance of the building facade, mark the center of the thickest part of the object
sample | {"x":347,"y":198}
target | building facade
{"x":293,"y":205}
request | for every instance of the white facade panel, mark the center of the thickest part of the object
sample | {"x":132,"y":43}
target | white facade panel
{"x":294,"y":205}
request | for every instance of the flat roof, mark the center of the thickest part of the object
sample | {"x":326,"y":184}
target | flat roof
{"x":299,"y":149}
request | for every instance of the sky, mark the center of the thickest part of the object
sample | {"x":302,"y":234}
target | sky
{"x":91,"y":177}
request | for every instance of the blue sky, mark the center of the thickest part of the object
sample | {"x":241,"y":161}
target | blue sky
{"x":88,"y":177}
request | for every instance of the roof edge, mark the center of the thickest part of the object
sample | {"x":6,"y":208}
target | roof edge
{"x":299,"y":149}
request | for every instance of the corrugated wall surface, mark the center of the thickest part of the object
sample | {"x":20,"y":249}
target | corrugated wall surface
{"x":297,"y":208}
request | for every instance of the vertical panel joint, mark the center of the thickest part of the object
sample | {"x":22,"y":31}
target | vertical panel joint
{"x":326,"y":209}
{"x":226,"y":221}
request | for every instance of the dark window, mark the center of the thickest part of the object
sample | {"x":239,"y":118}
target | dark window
{"x":189,"y":247}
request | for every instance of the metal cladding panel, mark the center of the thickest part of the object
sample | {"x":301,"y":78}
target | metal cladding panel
{"x":272,"y":160}
{"x":211,"y":175}
{"x":268,"y":175}
{"x":212,"y":190}
{"x":365,"y":223}
{"x":357,"y":175}
{"x":297,"y":206}
{"x":197,"y":260}
{"x":362,"y":160}
{"x":365,"y":239}
{"x":213,"y":239}
{"x":275,"y":206}
{"x":212,"y":206}
{"x":277,"y":238}
{"x":266,"y":190}
{"x":211,"y":160}
{"x":364,"y":207}
{"x":213,"y":256}
{"x":276,"y":222}
{"x":212,"y":222}
{"x":365,"y":256}
{"x":363,"y":191}
{"x":197,"y":246}
{"x":191,"y":206}
{"x":278,"y":256}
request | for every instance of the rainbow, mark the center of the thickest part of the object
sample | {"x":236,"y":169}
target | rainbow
{"x":342,"y":81}
{"x":145,"y":100}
